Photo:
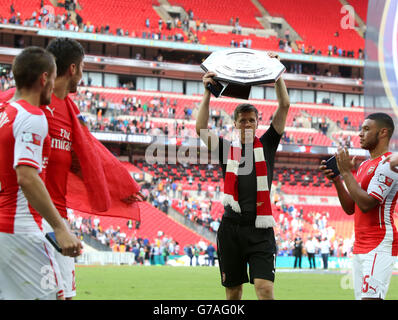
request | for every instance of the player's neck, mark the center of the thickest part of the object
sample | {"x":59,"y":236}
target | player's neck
{"x":16,"y":96}
{"x":30,"y":96}
{"x":61,"y":88}
{"x":378,"y":151}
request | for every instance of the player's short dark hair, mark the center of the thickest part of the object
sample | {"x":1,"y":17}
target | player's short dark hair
{"x":244,"y":107}
{"x":66,"y":52}
{"x":30,"y":64}
{"x":383,"y":120}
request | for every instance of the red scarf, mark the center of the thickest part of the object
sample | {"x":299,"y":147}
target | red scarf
{"x":264,"y":217}
{"x":103,"y":184}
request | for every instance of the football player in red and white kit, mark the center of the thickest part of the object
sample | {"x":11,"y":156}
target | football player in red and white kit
{"x":28,"y":269}
{"x":69,"y":55}
{"x":371,"y":195}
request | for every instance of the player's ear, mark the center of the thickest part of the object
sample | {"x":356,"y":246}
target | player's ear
{"x":72,"y":69}
{"x":43,"y":79}
{"x":384,"y":132}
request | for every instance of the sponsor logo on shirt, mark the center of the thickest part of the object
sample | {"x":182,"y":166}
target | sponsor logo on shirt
{"x":385,"y":180}
{"x":30,"y":137}
{"x":371,"y":169}
{"x":3,"y":119}
{"x":382,"y":188}
{"x":30,"y":149}
{"x":61,"y":144}
{"x":51,"y":110}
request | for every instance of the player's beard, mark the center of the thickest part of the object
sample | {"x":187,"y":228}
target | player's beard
{"x":372,"y":142}
{"x":73,"y":86}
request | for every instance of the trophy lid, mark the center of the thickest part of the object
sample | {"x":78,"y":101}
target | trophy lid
{"x":243,"y":66}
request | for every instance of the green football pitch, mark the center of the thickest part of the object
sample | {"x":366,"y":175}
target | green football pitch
{"x":203,"y":283}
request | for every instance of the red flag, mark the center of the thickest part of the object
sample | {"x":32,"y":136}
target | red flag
{"x":7,"y":95}
{"x":77,"y":198}
{"x":106,"y":187}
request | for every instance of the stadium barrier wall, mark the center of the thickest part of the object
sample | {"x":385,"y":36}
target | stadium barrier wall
{"x":127,"y":258}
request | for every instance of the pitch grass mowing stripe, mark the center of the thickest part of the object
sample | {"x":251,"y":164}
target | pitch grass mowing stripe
{"x":203,"y":283}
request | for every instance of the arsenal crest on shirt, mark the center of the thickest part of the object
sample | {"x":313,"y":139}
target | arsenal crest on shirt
{"x":371,"y":169}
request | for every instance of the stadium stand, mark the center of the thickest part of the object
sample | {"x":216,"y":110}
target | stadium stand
{"x":221,"y":12}
{"x":300,"y":15}
{"x":97,"y":13}
{"x":153,"y":221}
{"x":238,"y":40}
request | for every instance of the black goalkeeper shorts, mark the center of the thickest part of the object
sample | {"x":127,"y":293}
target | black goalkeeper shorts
{"x":243,"y":246}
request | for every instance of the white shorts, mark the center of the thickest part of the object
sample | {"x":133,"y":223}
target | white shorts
{"x":372,"y":274}
{"x":28,"y":270}
{"x":66,"y":265}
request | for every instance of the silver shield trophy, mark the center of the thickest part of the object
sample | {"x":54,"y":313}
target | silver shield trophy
{"x":239,"y":69}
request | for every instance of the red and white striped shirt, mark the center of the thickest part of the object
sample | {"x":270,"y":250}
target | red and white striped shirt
{"x":376,"y":229}
{"x":23,"y":141}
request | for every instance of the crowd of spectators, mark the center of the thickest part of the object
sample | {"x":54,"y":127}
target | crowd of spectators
{"x":106,"y":116}
{"x":43,"y":17}
{"x":177,"y":29}
{"x":345,"y":141}
{"x":158,"y":107}
{"x":146,"y":251}
{"x":313,"y":226}
{"x":161,"y":193}
{"x":6,"y":80}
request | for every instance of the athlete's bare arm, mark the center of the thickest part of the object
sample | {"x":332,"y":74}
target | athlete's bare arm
{"x":364,"y":201}
{"x":280,"y":115}
{"x":38,"y":197}
{"x":202,"y":121}
{"x":345,"y":199}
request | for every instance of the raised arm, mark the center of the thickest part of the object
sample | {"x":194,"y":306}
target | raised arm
{"x":202,"y":120}
{"x":280,"y":115}
{"x":346,"y":201}
{"x":364,"y":201}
